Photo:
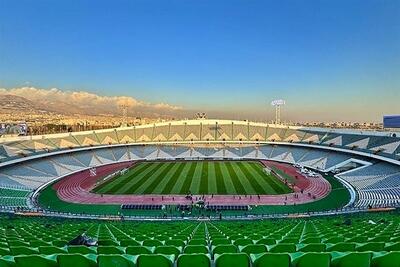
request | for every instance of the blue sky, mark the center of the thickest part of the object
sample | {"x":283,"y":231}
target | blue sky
{"x":328,"y":59}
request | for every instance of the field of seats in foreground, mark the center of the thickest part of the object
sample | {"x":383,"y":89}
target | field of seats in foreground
{"x":363,"y":240}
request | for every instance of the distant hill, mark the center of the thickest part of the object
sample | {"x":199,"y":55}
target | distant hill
{"x":34,"y":101}
{"x":11,"y":103}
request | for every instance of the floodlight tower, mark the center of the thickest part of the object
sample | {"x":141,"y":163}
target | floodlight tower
{"x":277,"y":104}
{"x":124,"y":108}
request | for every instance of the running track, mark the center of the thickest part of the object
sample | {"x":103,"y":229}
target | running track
{"x":76,"y":189}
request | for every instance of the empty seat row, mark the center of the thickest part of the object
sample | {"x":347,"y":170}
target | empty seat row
{"x":336,"y":259}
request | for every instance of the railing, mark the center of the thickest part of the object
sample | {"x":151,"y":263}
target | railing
{"x":245,"y":216}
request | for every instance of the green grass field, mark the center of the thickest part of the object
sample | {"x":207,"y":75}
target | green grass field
{"x":197,"y":177}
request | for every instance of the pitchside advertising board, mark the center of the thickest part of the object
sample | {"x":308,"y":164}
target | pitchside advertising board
{"x":391,"y":121}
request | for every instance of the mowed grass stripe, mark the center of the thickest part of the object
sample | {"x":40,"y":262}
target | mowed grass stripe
{"x":212,"y":179}
{"x":221,"y":188}
{"x":274,"y":182}
{"x":241,"y":184}
{"x":245,"y":180}
{"x":187,"y":180}
{"x":178,"y":186}
{"x":229,"y":183}
{"x":195,"y":185}
{"x":259,"y":176}
{"x":120,"y":182}
{"x":161,"y":183}
{"x":254,"y":181}
{"x":142,"y":178}
{"x":204,"y":179}
{"x":173,"y":180}
{"x":153,"y":179}
{"x":113,"y":184}
{"x":137,"y":179}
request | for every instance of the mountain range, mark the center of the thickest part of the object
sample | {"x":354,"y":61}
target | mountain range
{"x":34,"y":100}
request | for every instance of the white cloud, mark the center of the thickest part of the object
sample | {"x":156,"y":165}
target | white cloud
{"x":86,"y":100}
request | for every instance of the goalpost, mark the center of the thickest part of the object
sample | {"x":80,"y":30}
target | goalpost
{"x":123,"y":171}
{"x":267,"y":170}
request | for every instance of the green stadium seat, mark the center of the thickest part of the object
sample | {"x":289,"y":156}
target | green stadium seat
{"x":235,"y":236}
{"x":253,"y":249}
{"x":59,"y":243}
{"x":48,"y":250}
{"x":334,"y":240}
{"x":4,"y":251}
{"x":155,"y":260}
{"x":282,"y":247}
{"x":18,"y":243}
{"x":48,"y":238}
{"x":270,"y":259}
{"x":351,"y":259}
{"x":192,"y":249}
{"x":198,"y":236}
{"x":163,"y":237}
{"x":392,"y":246}
{"x":220,"y":249}
{"x":152,"y":243}
{"x":357,"y":239}
{"x":316,"y":247}
{"x":108,"y":242}
{"x":23,"y":251}
{"x":232,"y":259}
{"x":175,"y":242}
{"x":256,"y":236}
{"x":137,"y":250}
{"x":342,"y":247}
{"x":289,"y":241}
{"x":36,"y":261}
{"x":300,"y":259}
{"x":380,"y":239}
{"x":193,"y":260}
{"x":266,"y":241}
{"x":180,"y":237}
{"x":129,"y":242}
{"x":220,"y":241}
{"x":198,"y":241}
{"x":243,"y":242}
{"x":82,"y":250}
{"x":110,"y":250}
{"x":372,"y":246}
{"x":389,"y":259}
{"x":311,"y":240}
{"x":116,"y":260}
{"x":141,"y":238}
{"x":77,"y":260}
{"x":395,"y":239}
{"x":168,"y":250}
{"x":7,"y":261}
{"x":38,"y":243}
{"x":275,"y":236}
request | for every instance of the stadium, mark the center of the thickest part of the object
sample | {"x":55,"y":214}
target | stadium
{"x":202,"y":192}
{"x":262,"y":133}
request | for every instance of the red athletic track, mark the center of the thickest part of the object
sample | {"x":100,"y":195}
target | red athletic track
{"x":76,"y":188}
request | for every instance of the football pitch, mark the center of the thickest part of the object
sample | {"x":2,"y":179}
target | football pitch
{"x":197,"y":177}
